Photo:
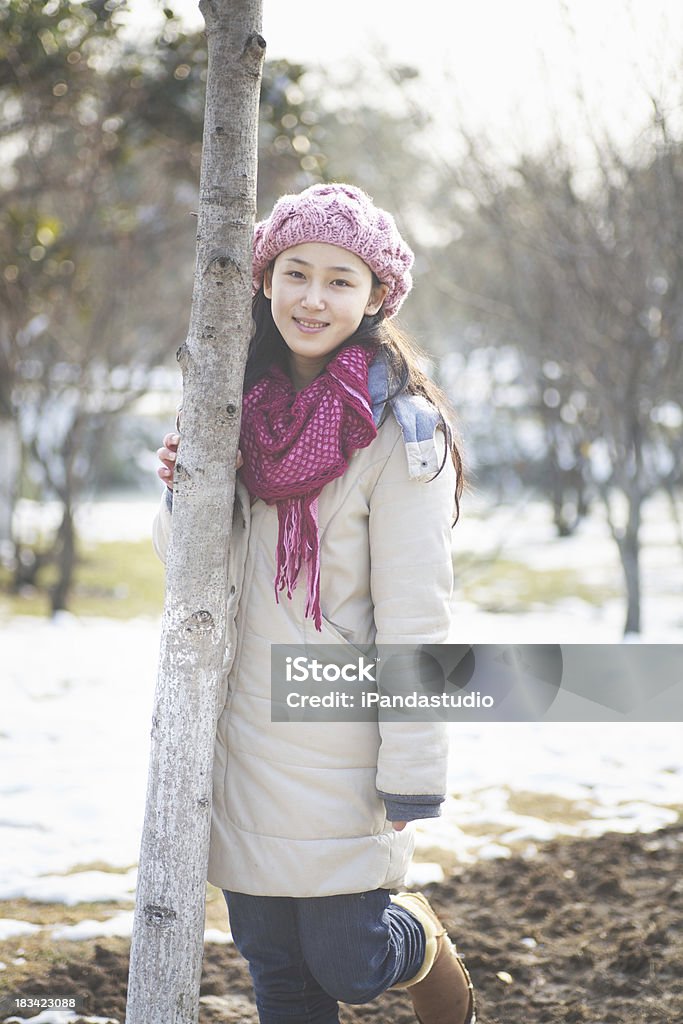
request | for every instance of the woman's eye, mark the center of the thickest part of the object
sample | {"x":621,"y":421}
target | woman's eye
{"x":342,"y":282}
{"x":294,"y":273}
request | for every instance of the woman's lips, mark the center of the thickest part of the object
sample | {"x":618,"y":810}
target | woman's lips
{"x":310,"y":326}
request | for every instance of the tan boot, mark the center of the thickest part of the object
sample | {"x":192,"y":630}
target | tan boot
{"x":442,"y":990}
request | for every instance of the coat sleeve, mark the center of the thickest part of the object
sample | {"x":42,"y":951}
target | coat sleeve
{"x":411,"y":581}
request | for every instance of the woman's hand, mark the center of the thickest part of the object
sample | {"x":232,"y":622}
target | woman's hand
{"x":399,"y":825}
{"x":167,"y":455}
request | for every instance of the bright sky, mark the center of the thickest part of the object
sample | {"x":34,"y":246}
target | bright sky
{"x":508,"y":62}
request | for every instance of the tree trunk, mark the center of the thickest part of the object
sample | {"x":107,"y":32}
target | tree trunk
{"x":10,"y":460}
{"x":629,"y":550}
{"x":168,"y":930}
{"x":65,"y":548}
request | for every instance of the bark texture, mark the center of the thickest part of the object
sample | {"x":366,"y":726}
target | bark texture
{"x":167,"y":942}
{"x":10,"y":460}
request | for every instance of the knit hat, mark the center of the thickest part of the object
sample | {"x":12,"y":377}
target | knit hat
{"x":340,"y":215}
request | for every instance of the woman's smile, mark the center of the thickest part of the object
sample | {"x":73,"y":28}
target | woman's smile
{"x":310,"y":326}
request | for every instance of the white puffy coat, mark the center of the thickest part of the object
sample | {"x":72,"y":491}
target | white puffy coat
{"x":296,"y":810}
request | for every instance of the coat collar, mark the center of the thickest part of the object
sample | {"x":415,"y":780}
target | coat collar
{"x":416,"y":416}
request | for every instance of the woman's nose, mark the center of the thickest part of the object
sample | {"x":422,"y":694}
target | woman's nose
{"x":313,"y":298}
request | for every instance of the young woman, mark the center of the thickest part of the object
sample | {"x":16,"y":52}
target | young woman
{"x":348,"y":486}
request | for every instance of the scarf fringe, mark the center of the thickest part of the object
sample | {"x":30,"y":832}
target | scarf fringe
{"x":298,"y":542}
{"x":288,"y":545}
{"x":313,"y":554}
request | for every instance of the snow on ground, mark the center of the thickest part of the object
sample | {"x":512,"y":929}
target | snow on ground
{"x":76,"y":710}
{"x":570,"y":621}
{"x":59,"y":1017}
{"x":74,"y":740}
{"x":525,"y":533}
{"x":113,"y":519}
{"x":10,"y":928}
{"x":118,"y":925}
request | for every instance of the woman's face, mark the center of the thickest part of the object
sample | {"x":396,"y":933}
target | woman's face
{"x":319,"y":294}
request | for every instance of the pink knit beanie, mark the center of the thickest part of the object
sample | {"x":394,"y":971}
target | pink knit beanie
{"x":341,"y":215}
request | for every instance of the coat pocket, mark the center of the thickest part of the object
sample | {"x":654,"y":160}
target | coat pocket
{"x":333,"y":634}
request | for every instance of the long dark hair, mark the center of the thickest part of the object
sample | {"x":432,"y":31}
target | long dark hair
{"x":403,"y":357}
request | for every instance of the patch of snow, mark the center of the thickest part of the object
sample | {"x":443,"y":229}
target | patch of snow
{"x":77,"y":708}
{"x":80,"y":887}
{"x":60,"y":1017}
{"x":10,"y":928}
{"x":96,"y":521}
{"x":216,"y":935}
{"x":492,"y":851}
{"x":422,"y":873}
{"x":531,"y":829}
{"x":120,"y":926}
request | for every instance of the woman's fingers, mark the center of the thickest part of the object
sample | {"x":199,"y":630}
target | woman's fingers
{"x":167,"y":456}
{"x":240,"y":460}
{"x":167,"y":452}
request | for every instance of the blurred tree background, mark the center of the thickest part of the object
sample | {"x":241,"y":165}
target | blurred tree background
{"x":548,"y":299}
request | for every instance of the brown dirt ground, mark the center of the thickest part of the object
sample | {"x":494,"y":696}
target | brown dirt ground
{"x":585,"y":931}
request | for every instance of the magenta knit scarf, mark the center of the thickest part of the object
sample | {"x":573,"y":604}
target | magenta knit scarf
{"x":295,"y":443}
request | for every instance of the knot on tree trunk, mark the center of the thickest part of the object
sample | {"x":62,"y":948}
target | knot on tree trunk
{"x":222,"y":265}
{"x":254,"y":52}
{"x":159,"y":917}
{"x":183,"y":355}
{"x":199,"y":622}
{"x":181,"y":474}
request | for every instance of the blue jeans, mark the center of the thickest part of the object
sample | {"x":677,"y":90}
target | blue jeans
{"x":307,"y":953}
